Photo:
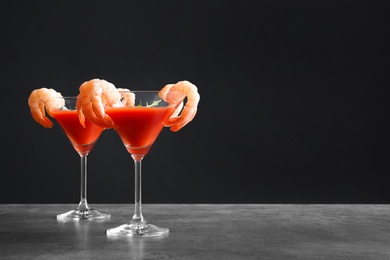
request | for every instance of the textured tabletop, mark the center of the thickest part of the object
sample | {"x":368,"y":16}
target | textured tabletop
{"x":200,"y":231}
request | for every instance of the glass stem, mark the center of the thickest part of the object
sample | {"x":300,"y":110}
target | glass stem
{"x":137,"y":217}
{"x":83,"y":205}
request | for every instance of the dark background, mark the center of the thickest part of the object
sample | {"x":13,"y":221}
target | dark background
{"x":292,"y":109}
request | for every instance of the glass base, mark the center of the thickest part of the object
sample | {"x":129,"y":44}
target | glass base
{"x":136,"y":230}
{"x":80,"y":215}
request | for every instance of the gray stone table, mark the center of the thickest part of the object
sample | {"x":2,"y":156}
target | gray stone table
{"x":201,"y":231}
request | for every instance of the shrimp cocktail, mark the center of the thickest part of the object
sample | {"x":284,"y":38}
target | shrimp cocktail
{"x":138,"y":117}
{"x":82,"y":135}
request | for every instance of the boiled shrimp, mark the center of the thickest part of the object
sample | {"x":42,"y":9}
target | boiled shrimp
{"x":94,"y":95}
{"x":173,"y":93}
{"x":41,"y":100}
{"x":128,"y":97}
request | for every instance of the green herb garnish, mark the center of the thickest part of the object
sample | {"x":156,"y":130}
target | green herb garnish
{"x":154,"y":104}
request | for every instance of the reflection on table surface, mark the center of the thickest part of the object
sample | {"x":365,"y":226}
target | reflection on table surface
{"x":202,"y":231}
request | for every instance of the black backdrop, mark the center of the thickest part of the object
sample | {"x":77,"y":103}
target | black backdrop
{"x":292,"y":105}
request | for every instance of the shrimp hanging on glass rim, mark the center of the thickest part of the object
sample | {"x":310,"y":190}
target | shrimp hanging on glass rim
{"x":184,"y":114}
{"x":128,"y":97}
{"x":44,"y":99}
{"x":94,"y":95}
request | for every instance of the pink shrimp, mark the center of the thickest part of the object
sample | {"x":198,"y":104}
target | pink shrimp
{"x":94,"y":95}
{"x":38,"y":104}
{"x":128,"y":97}
{"x":170,"y":94}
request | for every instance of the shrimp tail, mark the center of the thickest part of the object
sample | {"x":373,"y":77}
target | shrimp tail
{"x":81,"y":117}
{"x":102,"y":120}
{"x":178,"y":122}
{"x":41,"y":118}
{"x":178,"y":109}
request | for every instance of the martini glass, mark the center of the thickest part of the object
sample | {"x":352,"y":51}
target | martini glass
{"x":83,"y":140}
{"x":138,"y":127}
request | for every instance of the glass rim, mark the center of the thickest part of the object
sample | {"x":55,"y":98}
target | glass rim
{"x":119,"y":90}
{"x":122,"y":91}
